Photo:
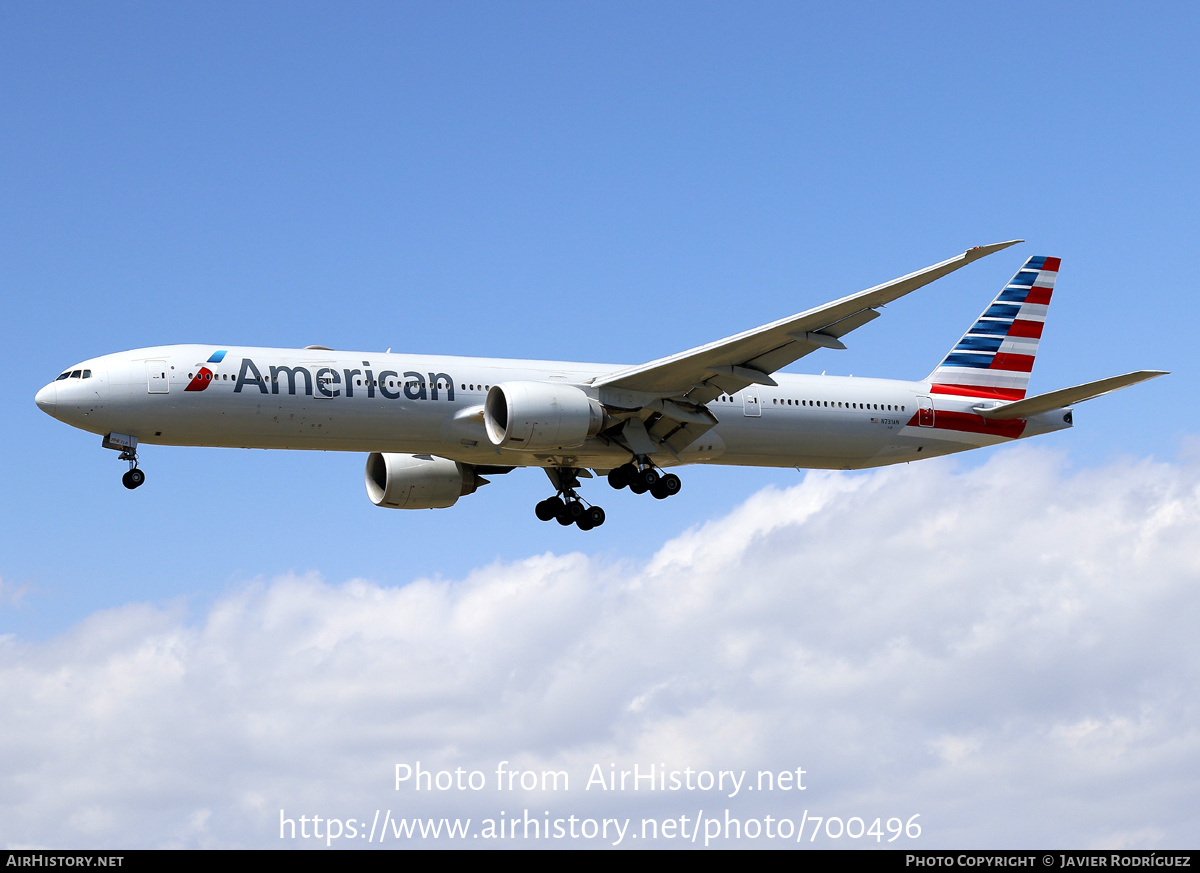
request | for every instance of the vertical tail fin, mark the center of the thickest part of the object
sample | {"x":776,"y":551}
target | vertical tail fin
{"x":995,"y":357}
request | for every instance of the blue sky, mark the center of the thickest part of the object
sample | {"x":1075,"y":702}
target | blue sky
{"x":607,"y":182}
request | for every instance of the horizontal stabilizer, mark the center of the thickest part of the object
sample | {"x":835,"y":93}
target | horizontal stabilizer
{"x":1065,"y":397}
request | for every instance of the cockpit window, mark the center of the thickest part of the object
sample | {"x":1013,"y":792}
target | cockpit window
{"x":66,"y":375}
{"x":87,"y":374}
{"x":75,"y":374}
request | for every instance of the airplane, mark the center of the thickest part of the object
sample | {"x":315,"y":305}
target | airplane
{"x":435,"y":426}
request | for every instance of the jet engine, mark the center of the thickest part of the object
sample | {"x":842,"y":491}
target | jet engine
{"x":418,"y":481}
{"x":540,"y":416}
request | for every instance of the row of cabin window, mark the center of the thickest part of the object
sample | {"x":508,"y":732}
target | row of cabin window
{"x":358,"y":382}
{"x":725,"y":398}
{"x":878,"y":407}
{"x":226,"y":377}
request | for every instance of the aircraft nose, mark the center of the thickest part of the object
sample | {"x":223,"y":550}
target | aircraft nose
{"x":47,"y":399}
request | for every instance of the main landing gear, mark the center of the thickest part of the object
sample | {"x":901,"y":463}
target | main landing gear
{"x":643,"y":478}
{"x":569,"y":509}
{"x":566,"y":507}
{"x":127,"y":446}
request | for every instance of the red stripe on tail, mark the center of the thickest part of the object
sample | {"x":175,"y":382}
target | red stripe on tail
{"x":1030,"y":329}
{"x":1014,"y":363}
{"x":987,"y":393}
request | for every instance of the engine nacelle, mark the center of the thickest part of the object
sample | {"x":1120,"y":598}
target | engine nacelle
{"x":539,"y":416}
{"x":418,"y":481}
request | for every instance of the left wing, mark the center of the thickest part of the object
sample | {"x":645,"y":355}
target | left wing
{"x":1065,"y":397}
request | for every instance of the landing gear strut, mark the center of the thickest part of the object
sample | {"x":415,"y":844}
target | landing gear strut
{"x":127,"y":446}
{"x":566,"y":506}
{"x":640,"y":476}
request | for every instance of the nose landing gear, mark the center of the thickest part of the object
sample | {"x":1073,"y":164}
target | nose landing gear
{"x":127,"y":446}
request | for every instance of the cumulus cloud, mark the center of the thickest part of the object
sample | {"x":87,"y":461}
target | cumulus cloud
{"x":1007,"y":652}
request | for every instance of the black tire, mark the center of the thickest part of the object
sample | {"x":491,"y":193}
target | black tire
{"x":659,"y":491}
{"x":564,"y":517}
{"x":584,"y":523}
{"x":595,"y":515}
{"x":575,"y":509}
{"x":637,"y":487}
{"x":622,"y":476}
{"x":649,"y":477}
{"x":546,"y":510}
{"x":133,"y":478}
{"x":671,"y":484}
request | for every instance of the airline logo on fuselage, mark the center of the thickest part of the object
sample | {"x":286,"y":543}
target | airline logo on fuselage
{"x":202,"y":378}
{"x":333,"y":382}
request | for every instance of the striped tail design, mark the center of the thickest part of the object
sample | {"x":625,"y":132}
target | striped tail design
{"x":995,"y":357}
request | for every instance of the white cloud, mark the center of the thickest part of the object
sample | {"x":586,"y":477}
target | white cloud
{"x":1007,"y":651}
{"x":12,"y":595}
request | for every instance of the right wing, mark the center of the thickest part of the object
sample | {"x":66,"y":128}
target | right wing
{"x":663,"y":402}
{"x":728,"y":365}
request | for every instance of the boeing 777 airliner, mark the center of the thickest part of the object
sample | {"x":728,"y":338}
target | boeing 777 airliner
{"x":434,"y":427}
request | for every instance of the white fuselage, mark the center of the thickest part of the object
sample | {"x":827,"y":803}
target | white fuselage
{"x":371,"y":402}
